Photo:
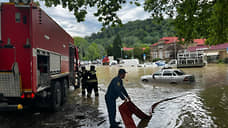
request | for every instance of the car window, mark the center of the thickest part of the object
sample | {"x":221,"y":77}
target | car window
{"x":179,"y":73}
{"x":157,"y":73}
{"x":167,"y":73}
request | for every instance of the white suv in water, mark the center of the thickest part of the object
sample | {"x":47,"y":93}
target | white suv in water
{"x":172,"y":76}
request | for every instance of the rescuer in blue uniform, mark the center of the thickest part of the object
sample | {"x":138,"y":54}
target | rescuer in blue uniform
{"x":115,"y":90}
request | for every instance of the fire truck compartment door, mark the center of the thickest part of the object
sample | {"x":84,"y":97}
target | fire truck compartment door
{"x":55,"y":63}
{"x":10,"y":82}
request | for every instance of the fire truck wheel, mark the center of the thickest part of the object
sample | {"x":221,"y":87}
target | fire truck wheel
{"x":56,"y":96}
{"x":66,"y":90}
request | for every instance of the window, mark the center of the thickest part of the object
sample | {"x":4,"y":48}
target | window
{"x":155,"y":54}
{"x":157,"y":74}
{"x":18,"y":17}
{"x":167,"y":54}
{"x":167,"y":73}
{"x":179,"y":73}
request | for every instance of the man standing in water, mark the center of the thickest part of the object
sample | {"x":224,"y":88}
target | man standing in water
{"x":115,"y":90}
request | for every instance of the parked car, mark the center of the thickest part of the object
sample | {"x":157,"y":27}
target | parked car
{"x":172,"y":76}
{"x":160,"y":63}
{"x":172,"y":63}
{"x":113,"y":62}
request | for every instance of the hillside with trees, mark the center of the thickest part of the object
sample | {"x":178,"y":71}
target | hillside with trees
{"x":135,"y":34}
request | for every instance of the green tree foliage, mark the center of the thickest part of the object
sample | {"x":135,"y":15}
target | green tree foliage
{"x":94,"y":52}
{"x":135,"y":32}
{"x":131,"y":37}
{"x":117,"y":45}
{"x":128,"y":54}
{"x":106,"y":9}
{"x":194,"y":18}
{"x":83,"y":45}
{"x":218,"y":23}
{"x":138,"y":53}
{"x":89,"y":51}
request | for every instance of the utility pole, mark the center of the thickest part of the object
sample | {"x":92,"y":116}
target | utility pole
{"x":121,"y":52}
{"x":175,"y":50}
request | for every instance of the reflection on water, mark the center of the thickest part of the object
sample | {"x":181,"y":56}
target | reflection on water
{"x":203,"y":104}
{"x":215,"y":100}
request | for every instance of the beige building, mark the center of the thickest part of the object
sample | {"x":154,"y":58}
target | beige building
{"x":166,"y":48}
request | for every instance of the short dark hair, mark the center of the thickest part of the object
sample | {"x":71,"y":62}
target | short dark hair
{"x":121,"y":71}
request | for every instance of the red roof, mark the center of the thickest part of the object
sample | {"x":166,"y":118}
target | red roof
{"x":154,"y":44}
{"x":127,"y":49}
{"x":219,"y":46}
{"x":168,"y":40}
{"x":199,"y":41}
{"x":213,"y":47}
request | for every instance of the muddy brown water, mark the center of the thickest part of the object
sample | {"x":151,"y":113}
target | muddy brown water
{"x":203,"y":104}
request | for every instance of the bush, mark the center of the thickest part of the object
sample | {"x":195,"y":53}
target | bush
{"x":226,"y":60}
{"x":221,"y":61}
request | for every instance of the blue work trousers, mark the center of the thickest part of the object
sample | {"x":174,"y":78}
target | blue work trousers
{"x":111,"y":106}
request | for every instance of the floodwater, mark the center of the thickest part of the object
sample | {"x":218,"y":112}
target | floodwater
{"x":203,"y":104}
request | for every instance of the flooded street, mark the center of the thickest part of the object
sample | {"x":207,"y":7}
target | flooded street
{"x":203,"y":104}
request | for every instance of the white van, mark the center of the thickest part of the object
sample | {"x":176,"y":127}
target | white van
{"x":129,"y":62}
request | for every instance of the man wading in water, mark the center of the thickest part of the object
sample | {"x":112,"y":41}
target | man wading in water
{"x":115,"y":90}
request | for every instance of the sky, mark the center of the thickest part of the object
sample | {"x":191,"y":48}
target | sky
{"x":69,"y":23}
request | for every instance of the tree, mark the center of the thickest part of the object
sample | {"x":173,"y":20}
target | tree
{"x":117,"y":45}
{"x":94,"y":52}
{"x":189,"y":15}
{"x":83,"y":45}
{"x":194,"y":18}
{"x":138,"y":53}
{"x":106,"y":9}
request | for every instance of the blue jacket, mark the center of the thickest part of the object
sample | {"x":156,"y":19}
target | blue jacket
{"x":116,"y":89}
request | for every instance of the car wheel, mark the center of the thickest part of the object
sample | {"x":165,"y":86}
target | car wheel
{"x":173,"y":83}
{"x":145,"y":80}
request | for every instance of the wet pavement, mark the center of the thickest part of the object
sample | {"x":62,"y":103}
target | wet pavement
{"x":203,"y":104}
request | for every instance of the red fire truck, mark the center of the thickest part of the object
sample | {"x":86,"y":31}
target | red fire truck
{"x":38,"y":59}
